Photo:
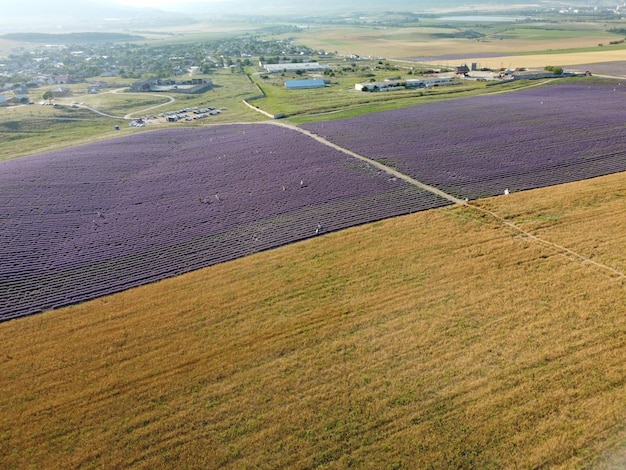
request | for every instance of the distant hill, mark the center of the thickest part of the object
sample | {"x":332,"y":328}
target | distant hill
{"x":277,"y":7}
{"x":88,"y":15}
{"x":70,"y":8}
{"x":43,"y":15}
{"x":70,"y":38}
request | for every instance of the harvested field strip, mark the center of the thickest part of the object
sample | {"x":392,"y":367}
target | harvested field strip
{"x":437,"y":339}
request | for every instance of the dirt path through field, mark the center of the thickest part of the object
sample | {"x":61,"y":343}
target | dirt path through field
{"x":559,"y":249}
{"x":129,"y":116}
{"x":371,"y":162}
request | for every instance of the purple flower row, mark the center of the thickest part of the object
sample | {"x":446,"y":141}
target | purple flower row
{"x":476,"y":147}
{"x":100,"y":218}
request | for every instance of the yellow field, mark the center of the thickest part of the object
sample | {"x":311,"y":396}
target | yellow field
{"x":419,"y":41}
{"x":398,"y":43}
{"x":443,"y":339}
{"x":541,"y":60}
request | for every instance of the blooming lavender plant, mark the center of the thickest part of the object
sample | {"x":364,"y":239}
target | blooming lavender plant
{"x":476,"y":147}
{"x":96,"y":219}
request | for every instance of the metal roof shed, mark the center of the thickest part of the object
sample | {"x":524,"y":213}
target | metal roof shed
{"x":300,"y":84}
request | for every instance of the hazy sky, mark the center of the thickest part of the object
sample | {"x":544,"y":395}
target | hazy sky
{"x":162,"y":4}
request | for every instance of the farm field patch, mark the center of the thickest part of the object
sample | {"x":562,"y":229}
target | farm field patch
{"x":440,"y":338}
{"x":611,"y":69}
{"x":100,"y":218}
{"x":118,"y":104}
{"x":480,"y":146}
{"x":576,"y":60}
{"x":427,"y":40}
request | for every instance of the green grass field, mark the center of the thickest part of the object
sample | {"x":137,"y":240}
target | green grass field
{"x":34,"y":128}
{"x":340,"y":99}
{"x":546,"y":34}
{"x":29,"y":129}
{"x":122,"y":103}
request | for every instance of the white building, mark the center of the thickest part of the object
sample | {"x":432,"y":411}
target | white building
{"x":294,"y":67}
{"x":392,"y":85}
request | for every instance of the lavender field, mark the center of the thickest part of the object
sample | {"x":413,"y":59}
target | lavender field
{"x":97,"y":219}
{"x":613,"y":69}
{"x":477,"y":147}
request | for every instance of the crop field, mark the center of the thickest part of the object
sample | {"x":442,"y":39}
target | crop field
{"x":101,"y":218}
{"x":430,"y":39}
{"x":611,"y":69}
{"x":439,"y":339}
{"x":514,"y":45}
{"x":477,"y":147}
{"x":168,"y":299}
{"x":575,"y":60}
{"x":155,"y":205}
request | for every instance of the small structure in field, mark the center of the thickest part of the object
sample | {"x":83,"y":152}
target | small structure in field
{"x":461,"y":69}
{"x":391,"y":85}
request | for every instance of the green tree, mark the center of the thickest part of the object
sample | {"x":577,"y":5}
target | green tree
{"x":555,"y":70}
{"x":48,"y":95}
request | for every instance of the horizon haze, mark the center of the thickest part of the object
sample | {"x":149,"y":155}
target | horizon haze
{"x":67,"y":15}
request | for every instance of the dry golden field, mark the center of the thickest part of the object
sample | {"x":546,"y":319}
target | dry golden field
{"x":442,"y":339}
{"x":407,"y":42}
{"x":541,"y":60}
{"x":421,"y":41}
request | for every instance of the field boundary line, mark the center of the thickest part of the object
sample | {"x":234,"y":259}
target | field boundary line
{"x":371,"y":162}
{"x":449,"y":197}
{"x":560,"y":248}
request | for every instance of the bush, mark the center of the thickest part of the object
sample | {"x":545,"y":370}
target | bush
{"x":555,"y":70}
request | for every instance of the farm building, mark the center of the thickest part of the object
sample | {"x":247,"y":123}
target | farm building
{"x":531,"y":75}
{"x":380,"y":86}
{"x":304,"y":66}
{"x":429,"y":82}
{"x":302,"y":84}
{"x":392,"y":85}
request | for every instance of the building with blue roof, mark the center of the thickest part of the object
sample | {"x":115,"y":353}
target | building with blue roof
{"x":301,"y":84}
